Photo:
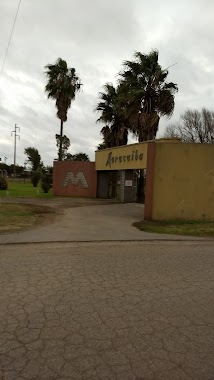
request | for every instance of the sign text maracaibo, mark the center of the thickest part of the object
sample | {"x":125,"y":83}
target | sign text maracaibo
{"x":123,"y":158}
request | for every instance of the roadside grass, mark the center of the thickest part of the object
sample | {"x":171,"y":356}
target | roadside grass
{"x":20,"y":189}
{"x":178,"y":227}
{"x":16,"y":217}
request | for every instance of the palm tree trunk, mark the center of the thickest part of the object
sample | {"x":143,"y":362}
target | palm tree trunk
{"x":60,"y":145}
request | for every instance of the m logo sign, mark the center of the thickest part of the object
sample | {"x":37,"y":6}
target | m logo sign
{"x":70,"y":177}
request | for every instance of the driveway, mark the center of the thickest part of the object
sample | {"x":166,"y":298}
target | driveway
{"x":94,"y":222}
{"x":109,"y":311}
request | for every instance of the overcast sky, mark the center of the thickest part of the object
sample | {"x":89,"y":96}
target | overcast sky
{"x":95,"y":37}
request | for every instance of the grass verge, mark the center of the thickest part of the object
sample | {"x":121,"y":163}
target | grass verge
{"x":17,"y":217}
{"x":19,"y":189}
{"x":178,"y":227}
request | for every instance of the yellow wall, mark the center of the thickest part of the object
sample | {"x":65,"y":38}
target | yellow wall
{"x":183,"y":181}
{"x":133,"y":156}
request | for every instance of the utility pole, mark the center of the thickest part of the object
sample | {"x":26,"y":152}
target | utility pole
{"x":15,"y":137}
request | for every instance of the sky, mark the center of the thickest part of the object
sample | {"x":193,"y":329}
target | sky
{"x":95,"y":37}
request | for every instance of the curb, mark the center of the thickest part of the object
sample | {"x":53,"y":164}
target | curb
{"x":111,"y":241}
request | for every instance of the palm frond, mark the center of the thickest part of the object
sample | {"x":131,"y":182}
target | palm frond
{"x":62,"y":86}
{"x":147,"y":95}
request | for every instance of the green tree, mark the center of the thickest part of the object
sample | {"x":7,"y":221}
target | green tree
{"x":46,"y":180}
{"x":77,"y":157}
{"x":4,"y":167}
{"x":3,"y":183}
{"x":35,"y":177}
{"x":115,"y":131}
{"x":19,"y":169}
{"x":146,"y":95}
{"x":10,"y":169}
{"x":49,"y":169}
{"x":194,"y":127}
{"x":34,"y":158}
{"x":64,"y":145}
{"x":62,"y":86}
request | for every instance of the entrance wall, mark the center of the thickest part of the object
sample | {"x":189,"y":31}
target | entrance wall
{"x":179,"y":178}
{"x":183,"y":181}
{"x":132,"y":156}
{"x":73,"y":178}
{"x":125,"y":162}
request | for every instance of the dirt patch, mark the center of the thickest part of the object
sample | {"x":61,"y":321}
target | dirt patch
{"x":19,"y":217}
{"x":58,"y":202}
{"x":46,"y":214}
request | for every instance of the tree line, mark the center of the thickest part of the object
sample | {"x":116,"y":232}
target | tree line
{"x":9,"y":169}
{"x":193,"y":127}
{"x":39,"y":171}
{"x":135,"y":105}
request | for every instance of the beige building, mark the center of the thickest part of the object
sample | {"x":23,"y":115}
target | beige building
{"x":175,"y":180}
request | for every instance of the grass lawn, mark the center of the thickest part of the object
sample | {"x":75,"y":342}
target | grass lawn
{"x":20,"y":189}
{"x":178,"y":227}
{"x":16,"y":217}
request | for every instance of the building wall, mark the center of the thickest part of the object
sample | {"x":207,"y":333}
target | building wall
{"x":183,"y":183}
{"x":72,"y":178}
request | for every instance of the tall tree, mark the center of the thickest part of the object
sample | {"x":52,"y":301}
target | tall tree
{"x":64,"y":146}
{"x":77,"y":157}
{"x":34,"y":158}
{"x":146,"y":94}
{"x":62,"y":86}
{"x":194,"y":127}
{"x":115,"y":131}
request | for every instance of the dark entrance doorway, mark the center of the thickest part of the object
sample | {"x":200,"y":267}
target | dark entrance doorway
{"x":126,"y":186}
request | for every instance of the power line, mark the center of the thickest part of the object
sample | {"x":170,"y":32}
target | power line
{"x":10,"y":38}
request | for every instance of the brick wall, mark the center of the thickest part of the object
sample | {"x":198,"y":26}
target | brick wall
{"x":75,"y":179}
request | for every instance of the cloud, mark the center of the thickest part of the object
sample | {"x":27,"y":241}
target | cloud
{"x":95,"y":37}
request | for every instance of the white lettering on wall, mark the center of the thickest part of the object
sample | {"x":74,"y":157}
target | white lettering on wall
{"x":70,"y":177}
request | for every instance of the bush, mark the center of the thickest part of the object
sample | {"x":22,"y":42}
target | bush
{"x":35,"y":177}
{"x":3,"y":183}
{"x":46,"y":183}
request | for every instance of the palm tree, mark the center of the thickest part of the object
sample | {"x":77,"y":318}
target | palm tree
{"x":115,"y":131}
{"x":146,"y":94}
{"x":65,"y":145}
{"x":62,"y":86}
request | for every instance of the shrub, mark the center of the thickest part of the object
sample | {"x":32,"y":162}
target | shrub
{"x":46,"y":183}
{"x":35,"y":177}
{"x":3,"y":183}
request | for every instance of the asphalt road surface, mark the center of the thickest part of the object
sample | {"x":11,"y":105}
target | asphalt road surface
{"x":107,"y":311}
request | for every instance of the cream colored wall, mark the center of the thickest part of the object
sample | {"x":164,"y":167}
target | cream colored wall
{"x":183,"y":181}
{"x":133,"y":156}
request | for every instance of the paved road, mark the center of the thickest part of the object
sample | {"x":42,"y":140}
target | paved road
{"x":91,"y":223}
{"x":107,"y":311}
